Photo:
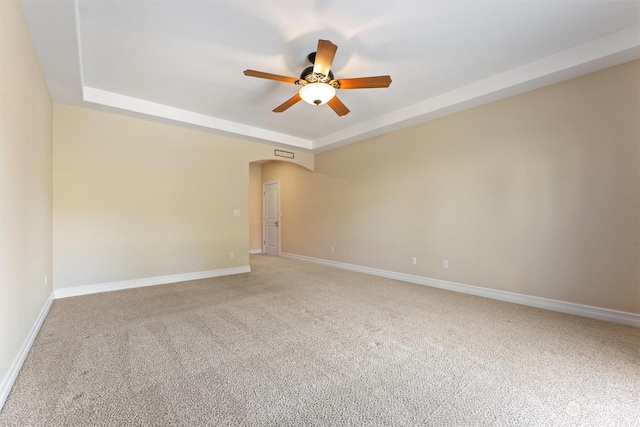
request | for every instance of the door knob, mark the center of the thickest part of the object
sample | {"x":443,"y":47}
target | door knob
{"x":277,"y":223}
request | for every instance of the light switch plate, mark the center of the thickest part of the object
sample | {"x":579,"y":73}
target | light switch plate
{"x":236,"y":212}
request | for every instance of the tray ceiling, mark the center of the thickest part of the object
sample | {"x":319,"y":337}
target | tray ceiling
{"x":181,"y":61}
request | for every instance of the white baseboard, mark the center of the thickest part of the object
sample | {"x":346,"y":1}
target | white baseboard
{"x":255,"y":251}
{"x":7,"y":381}
{"x":149,"y":281}
{"x":599,"y":313}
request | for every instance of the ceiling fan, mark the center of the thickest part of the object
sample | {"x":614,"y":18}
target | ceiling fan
{"x":318,"y":84}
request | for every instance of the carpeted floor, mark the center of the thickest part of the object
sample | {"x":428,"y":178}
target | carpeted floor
{"x":294,"y":343}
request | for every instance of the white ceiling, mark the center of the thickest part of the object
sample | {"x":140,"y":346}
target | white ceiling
{"x":181,"y":61}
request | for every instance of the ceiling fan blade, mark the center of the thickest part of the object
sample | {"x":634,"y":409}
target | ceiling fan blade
{"x":288,"y":103}
{"x":324,"y":57}
{"x":260,"y":74}
{"x":365,"y":82}
{"x":337,"y":106}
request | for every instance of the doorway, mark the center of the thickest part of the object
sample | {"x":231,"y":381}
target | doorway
{"x":271,"y":217}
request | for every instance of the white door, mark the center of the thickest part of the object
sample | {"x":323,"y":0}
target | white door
{"x":271,"y":217}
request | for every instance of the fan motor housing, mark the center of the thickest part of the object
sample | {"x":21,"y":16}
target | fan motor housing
{"x":310,"y":77}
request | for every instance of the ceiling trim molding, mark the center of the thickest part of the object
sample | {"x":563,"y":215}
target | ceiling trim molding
{"x":76,"y":16}
{"x":128,"y":103}
{"x":136,"y":105}
{"x":608,"y":51}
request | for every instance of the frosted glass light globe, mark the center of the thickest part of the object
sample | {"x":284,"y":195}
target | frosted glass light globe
{"x":317,"y":93}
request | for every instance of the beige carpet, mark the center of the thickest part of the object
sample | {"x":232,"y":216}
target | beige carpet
{"x":294,"y":343}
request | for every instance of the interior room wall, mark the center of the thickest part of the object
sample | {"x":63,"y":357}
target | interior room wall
{"x":25,"y":185}
{"x":255,"y":207}
{"x":138,"y":199}
{"x":537,"y":194}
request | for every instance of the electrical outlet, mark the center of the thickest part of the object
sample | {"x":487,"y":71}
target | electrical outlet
{"x":236,"y":212}
{"x":45,"y":280}
{"x":333,"y":250}
{"x":414,"y":260}
{"x":231,"y":255}
{"x":445,"y":264}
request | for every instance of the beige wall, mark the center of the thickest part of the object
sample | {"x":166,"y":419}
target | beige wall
{"x":537,"y":194}
{"x":137,"y":199}
{"x":255,"y":206}
{"x":25,"y":184}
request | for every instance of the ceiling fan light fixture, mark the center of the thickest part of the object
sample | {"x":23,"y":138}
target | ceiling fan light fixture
{"x":318,"y":84}
{"x":317,"y":93}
